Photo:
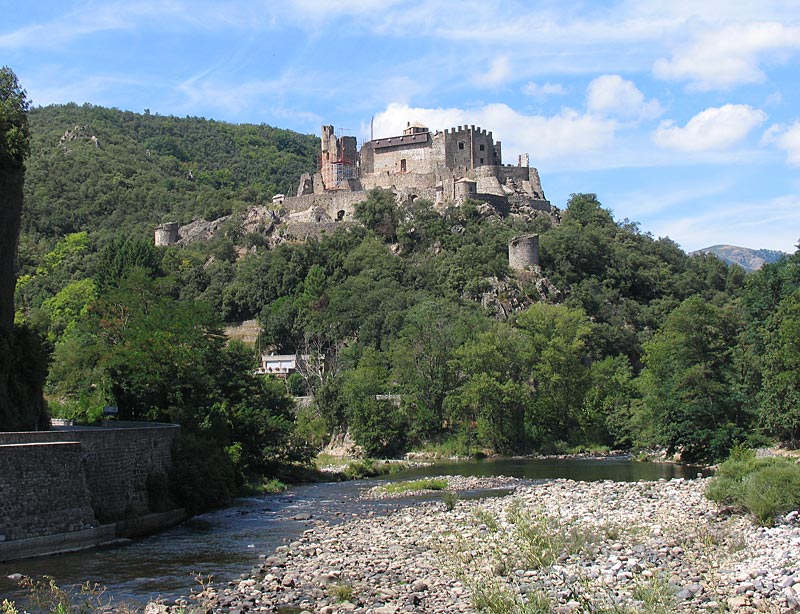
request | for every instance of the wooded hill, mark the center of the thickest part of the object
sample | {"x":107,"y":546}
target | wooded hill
{"x":117,"y":173}
{"x":620,"y":339}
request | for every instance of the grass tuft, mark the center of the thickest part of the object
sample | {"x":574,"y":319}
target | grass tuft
{"x":412,"y":485}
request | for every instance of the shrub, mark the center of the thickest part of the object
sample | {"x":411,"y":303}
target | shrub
{"x":764,"y":487}
{"x":369,"y":468}
{"x":341,"y":592}
{"x":203,"y":476}
{"x":772,"y":490}
{"x":449,"y":498}
{"x":427,"y":484}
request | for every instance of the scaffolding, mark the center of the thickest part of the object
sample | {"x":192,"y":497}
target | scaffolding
{"x":337,"y":172}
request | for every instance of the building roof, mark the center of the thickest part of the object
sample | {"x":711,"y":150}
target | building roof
{"x":407,"y":139}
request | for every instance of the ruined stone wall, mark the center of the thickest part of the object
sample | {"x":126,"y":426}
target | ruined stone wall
{"x":115,"y":462}
{"x":44,"y":490}
{"x":488,"y":183}
{"x":423,"y":185}
{"x":330,"y":202}
{"x":527,"y":177}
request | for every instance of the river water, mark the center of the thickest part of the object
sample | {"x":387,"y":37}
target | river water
{"x":226,"y":543}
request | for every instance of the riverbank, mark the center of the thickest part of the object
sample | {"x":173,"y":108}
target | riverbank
{"x":566,"y":545}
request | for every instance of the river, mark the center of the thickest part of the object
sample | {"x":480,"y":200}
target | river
{"x":226,"y":543}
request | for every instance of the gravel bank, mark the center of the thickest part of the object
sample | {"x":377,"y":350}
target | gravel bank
{"x":570,"y":546}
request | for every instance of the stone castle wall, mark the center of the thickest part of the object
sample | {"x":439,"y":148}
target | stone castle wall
{"x":114,"y":463}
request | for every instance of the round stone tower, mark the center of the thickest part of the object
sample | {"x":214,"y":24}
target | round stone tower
{"x":166,"y":234}
{"x":523,"y":252}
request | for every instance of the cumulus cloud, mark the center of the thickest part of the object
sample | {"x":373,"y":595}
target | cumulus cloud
{"x":729,"y":56}
{"x":786,"y":138}
{"x":546,"y":138}
{"x":716,"y":128}
{"x":545,"y":89}
{"x":613,"y":95}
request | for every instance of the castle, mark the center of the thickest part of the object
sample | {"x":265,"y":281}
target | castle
{"x":443,"y":167}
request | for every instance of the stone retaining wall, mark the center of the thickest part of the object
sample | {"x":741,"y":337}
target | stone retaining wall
{"x":72,"y":478}
{"x":43,"y":490}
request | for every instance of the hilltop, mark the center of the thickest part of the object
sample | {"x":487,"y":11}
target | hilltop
{"x":749,"y":259}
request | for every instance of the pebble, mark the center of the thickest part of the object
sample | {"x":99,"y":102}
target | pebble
{"x":663,"y":535}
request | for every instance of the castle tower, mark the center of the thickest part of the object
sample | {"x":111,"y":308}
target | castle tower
{"x":338,"y":160}
{"x":523,"y":252}
{"x":465,"y":188}
{"x":166,"y":234}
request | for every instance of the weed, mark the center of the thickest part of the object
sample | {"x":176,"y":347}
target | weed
{"x":369,"y":468}
{"x":449,"y":498}
{"x":272,"y":486}
{"x":495,"y":597}
{"x":341,"y":592}
{"x":44,"y":595}
{"x":487,"y":519}
{"x":655,"y":594}
{"x":542,"y":539}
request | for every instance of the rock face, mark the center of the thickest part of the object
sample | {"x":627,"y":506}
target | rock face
{"x":571,"y":546}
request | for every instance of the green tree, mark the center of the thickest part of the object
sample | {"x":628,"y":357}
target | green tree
{"x":378,"y":426}
{"x":421,"y":357}
{"x":494,"y":390}
{"x":689,"y":401}
{"x":14,"y":149}
{"x":780,"y":392}
{"x":557,"y":335}
{"x":22,"y":359}
{"x":379,"y":213}
{"x":121,"y":256}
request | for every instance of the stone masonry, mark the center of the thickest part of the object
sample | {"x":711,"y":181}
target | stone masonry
{"x":86,"y":475}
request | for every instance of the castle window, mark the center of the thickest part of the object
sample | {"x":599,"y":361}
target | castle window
{"x":482,"y":147}
{"x":461,"y":144}
{"x":403,"y":165}
{"x":481,"y":160}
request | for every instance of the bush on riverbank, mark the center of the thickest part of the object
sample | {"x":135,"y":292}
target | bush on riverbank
{"x":765,"y":487}
{"x":369,"y":468}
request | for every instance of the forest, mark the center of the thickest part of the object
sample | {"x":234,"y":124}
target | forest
{"x":418,"y":336}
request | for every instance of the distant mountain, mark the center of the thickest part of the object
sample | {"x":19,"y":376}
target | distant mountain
{"x":748,"y":259}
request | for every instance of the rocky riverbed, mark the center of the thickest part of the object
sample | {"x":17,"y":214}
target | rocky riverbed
{"x":561,"y":546}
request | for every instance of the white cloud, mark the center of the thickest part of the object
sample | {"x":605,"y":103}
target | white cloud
{"x":716,"y":128}
{"x":613,"y":95}
{"x":545,"y":89}
{"x":499,"y":72}
{"x":770,"y":224}
{"x":729,"y":56}
{"x":787,"y":139}
{"x":546,"y":138}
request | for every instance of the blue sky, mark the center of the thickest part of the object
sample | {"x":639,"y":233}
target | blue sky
{"x":680,"y":115}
